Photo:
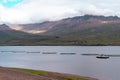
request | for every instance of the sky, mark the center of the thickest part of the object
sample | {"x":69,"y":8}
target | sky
{"x":34,"y":11}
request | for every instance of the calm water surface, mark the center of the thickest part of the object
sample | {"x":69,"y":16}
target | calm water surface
{"x":32,"y":57}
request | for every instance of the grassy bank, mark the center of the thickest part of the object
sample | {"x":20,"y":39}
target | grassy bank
{"x":57,"y":76}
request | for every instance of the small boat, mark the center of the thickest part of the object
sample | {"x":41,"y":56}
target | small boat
{"x":102,"y":56}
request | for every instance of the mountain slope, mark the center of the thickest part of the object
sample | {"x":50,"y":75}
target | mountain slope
{"x":69,"y":25}
{"x":10,"y":36}
{"x":76,"y":24}
{"x":80,"y":30}
{"x":4,"y":27}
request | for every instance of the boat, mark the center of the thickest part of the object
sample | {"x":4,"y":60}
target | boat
{"x":102,"y":56}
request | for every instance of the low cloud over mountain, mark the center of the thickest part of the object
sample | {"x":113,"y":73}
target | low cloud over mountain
{"x":34,"y":11}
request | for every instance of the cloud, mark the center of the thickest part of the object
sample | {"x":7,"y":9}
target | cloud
{"x":91,"y":9}
{"x":32,"y":11}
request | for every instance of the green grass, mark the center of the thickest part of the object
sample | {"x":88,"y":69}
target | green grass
{"x":72,"y":77}
{"x":32,"y":71}
{"x":51,"y":74}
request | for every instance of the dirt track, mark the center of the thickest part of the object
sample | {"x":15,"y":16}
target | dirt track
{"x":8,"y":74}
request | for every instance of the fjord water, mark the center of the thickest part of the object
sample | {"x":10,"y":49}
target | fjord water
{"x":32,"y":57}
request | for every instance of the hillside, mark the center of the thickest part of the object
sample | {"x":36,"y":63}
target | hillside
{"x":29,"y":74}
{"x":79,"y":30}
{"x":10,"y":36}
{"x":68,"y":25}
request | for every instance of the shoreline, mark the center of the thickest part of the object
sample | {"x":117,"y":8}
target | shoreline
{"x":30,"y":74}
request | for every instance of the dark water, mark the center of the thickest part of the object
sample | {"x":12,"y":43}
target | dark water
{"x":32,"y":57}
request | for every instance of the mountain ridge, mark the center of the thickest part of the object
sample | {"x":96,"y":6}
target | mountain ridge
{"x":80,"y":30}
{"x":47,"y":26}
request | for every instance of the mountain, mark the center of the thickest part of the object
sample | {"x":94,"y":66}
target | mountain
{"x":4,"y":27}
{"x":9,"y":36}
{"x":34,"y":28}
{"x":68,"y":25}
{"x":79,"y":30}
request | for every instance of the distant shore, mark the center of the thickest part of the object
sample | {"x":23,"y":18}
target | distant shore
{"x":28,"y":74}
